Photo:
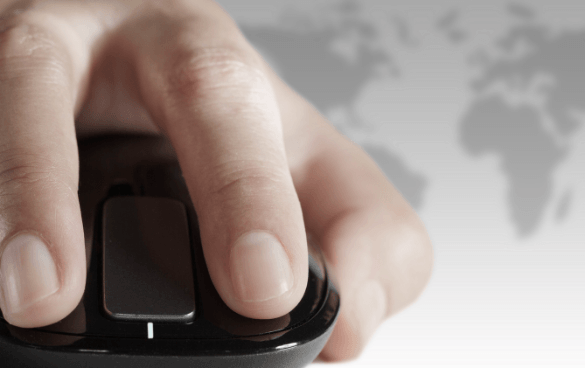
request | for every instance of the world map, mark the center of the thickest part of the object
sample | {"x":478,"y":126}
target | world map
{"x":528,"y":95}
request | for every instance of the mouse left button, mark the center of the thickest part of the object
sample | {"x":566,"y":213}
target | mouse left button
{"x":147,"y":268}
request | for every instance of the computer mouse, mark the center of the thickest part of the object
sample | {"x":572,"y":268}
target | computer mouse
{"x":149,"y":300}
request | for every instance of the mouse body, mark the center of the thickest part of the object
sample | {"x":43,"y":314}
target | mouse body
{"x":149,"y":300}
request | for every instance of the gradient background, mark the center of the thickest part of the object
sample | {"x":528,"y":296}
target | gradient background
{"x":475,"y":111}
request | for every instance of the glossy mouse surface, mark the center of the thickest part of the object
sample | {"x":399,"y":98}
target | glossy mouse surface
{"x":149,"y":300}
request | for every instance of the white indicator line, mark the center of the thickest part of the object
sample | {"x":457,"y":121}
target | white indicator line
{"x":150,"y":330}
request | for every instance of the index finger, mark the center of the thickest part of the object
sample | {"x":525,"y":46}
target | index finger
{"x":42,"y":265}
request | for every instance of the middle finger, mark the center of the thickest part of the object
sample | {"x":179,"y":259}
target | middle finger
{"x":207,"y":90}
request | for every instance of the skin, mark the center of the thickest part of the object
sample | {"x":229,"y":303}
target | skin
{"x":255,"y":155}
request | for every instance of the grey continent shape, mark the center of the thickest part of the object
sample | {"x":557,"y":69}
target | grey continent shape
{"x":529,"y":152}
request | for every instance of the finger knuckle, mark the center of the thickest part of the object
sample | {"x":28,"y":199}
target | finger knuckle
{"x":236,"y":182}
{"x":22,"y":173}
{"x":27,"y":44}
{"x":212,"y":74}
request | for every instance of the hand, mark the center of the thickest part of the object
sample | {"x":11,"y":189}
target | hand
{"x":257,"y":158}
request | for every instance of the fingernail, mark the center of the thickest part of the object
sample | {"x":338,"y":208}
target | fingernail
{"x":371,"y":305}
{"x":27,"y":273}
{"x":260,"y":267}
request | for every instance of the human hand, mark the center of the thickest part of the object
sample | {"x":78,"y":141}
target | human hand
{"x":259,"y":161}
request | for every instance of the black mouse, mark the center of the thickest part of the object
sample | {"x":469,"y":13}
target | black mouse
{"x":149,"y":300}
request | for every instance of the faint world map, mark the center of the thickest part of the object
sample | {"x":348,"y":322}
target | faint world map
{"x":528,"y":97}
